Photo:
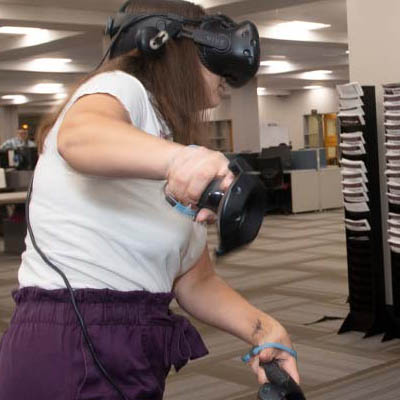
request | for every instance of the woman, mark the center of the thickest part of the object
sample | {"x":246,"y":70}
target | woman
{"x":98,"y":212}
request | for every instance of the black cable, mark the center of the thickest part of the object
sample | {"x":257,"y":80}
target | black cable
{"x":73,"y":300}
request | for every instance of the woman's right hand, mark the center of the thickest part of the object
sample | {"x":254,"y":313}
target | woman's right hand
{"x":190,"y":172}
{"x":276,"y":334}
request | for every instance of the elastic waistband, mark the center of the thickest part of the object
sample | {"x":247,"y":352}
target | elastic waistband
{"x":97,"y":306}
{"x":110,"y":307}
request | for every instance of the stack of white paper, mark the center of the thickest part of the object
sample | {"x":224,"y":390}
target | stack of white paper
{"x":353,"y":149}
{"x":391,"y":98}
{"x":352,"y":143}
{"x":354,"y":181}
{"x":393,"y":137}
{"x":350,"y":91}
{"x":352,"y":137}
{"x":392,"y":143}
{"x":394,"y":244}
{"x":392,"y":89}
{"x":356,"y":207}
{"x":353,"y":173}
{"x":393,"y":186}
{"x":351,"y":102}
{"x":393,"y":174}
{"x":353,"y":164}
{"x":351,"y":111}
{"x":354,"y":184}
{"x":394,"y":232}
{"x":360,"y":225}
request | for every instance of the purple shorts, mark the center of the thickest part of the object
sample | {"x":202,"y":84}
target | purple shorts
{"x":43,"y":355}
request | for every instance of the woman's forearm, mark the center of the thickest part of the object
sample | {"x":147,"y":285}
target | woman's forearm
{"x":212,"y":301}
{"x":103,"y":146}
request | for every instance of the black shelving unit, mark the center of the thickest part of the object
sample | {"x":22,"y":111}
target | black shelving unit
{"x":393,"y":310}
{"x":365,"y":249}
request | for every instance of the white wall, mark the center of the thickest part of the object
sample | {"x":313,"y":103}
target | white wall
{"x":223,"y":111}
{"x":289,"y":110}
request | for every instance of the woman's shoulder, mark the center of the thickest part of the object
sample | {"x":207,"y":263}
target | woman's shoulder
{"x":127,"y":89}
{"x":116,"y":80}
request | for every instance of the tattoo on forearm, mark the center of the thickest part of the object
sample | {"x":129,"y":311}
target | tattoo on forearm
{"x":257,"y":328}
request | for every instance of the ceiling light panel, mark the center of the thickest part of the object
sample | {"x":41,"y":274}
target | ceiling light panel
{"x":60,"y":96}
{"x":276,"y":66}
{"x":294,"y":30}
{"x":262,"y":91}
{"x":48,"y":64}
{"x":313,"y":87}
{"x":48,"y":88}
{"x":316,"y":75}
{"x":15,"y":98}
{"x":301,"y":26}
{"x":19,"y":30}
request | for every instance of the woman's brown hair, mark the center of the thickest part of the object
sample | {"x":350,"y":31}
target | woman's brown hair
{"x":174,"y":79}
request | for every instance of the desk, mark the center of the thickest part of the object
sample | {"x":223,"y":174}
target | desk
{"x":14,"y":232}
{"x":304,"y":190}
{"x":12,"y":198}
{"x":315,"y":190}
{"x":330,"y":187}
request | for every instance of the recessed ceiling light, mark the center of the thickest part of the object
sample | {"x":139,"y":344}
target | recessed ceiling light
{"x":48,"y":88}
{"x":262,"y":91}
{"x":313,"y":87}
{"x":19,"y":30}
{"x":15,"y":98}
{"x":318,"y":74}
{"x":277,"y":57}
{"x":321,"y":71}
{"x":271,"y":63}
{"x":300,"y":26}
{"x":60,"y":96}
{"x":276,"y":66}
{"x":62,"y":61}
{"x":48,"y":64}
{"x":347,"y":51}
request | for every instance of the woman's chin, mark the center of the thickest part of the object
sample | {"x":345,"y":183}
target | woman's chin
{"x":215,"y":101}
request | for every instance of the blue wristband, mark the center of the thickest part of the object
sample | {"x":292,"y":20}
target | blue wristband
{"x":186,"y":210}
{"x":257,"y":350}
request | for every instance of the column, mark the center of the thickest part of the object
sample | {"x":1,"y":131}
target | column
{"x":8,"y":122}
{"x":245,"y":118}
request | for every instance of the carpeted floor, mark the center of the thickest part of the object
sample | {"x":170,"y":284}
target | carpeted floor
{"x":296,"y":270}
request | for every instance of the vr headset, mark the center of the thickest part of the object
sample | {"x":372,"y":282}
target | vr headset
{"x":226,"y":48}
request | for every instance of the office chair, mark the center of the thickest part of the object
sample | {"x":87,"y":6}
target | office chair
{"x":283,"y":151}
{"x":278,"y":191}
{"x":251,"y":159}
{"x":27,"y":158}
{"x":271,"y":172}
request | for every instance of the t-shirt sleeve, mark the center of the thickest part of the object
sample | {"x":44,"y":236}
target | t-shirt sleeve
{"x":128,"y":90}
{"x":196,"y":245}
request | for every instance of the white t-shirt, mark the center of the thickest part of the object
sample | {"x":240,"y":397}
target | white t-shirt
{"x":101,"y":232}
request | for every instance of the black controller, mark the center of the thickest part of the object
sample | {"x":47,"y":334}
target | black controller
{"x":281,"y":386}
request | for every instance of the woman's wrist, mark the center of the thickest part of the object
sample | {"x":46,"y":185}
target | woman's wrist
{"x":266,"y":328}
{"x":172,"y":152}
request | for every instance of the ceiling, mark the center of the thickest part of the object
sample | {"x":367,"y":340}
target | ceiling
{"x":74,"y":30}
